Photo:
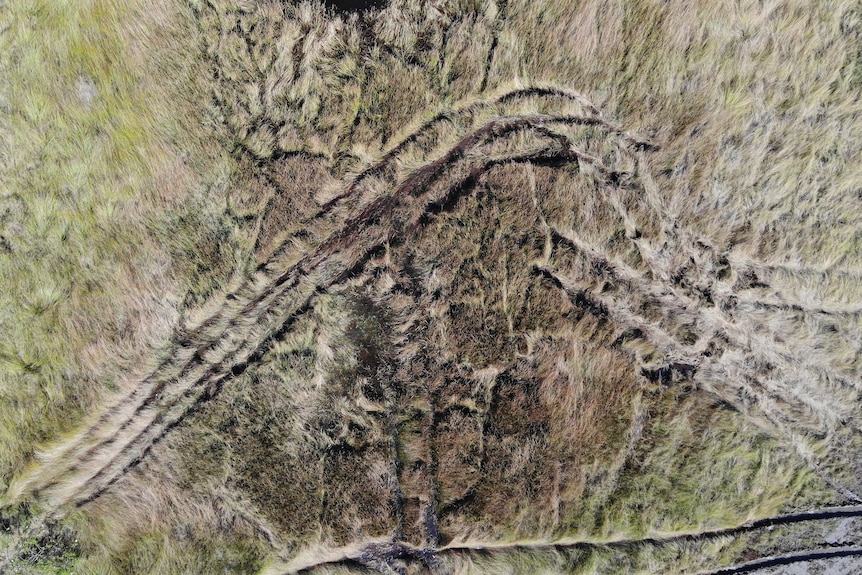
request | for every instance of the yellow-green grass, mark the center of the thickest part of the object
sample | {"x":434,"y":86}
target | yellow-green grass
{"x":114,"y":221}
{"x":103,"y":226}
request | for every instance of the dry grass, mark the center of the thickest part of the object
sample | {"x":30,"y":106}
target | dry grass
{"x":443,"y":296}
{"x":76,"y":180}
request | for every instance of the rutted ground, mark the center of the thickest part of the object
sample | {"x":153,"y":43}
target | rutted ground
{"x":226,"y":341}
{"x":519,"y":333}
{"x":386,"y":552}
{"x":691,"y":315}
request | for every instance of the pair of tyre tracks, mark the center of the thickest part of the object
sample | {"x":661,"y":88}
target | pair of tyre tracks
{"x":239,"y":331}
{"x":236,"y":335}
{"x":381,"y":550}
{"x":726,"y":359}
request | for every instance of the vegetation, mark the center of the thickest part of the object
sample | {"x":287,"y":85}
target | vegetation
{"x":466,"y":286}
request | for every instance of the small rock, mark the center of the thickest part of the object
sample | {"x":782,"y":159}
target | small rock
{"x":86,"y":90}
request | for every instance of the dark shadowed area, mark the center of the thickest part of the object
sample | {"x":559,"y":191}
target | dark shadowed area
{"x":355,"y":5}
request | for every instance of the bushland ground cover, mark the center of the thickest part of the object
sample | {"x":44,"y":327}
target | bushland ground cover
{"x":451,"y":287}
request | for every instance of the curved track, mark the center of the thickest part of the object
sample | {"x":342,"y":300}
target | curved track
{"x":741,"y":361}
{"x":383,"y":551}
{"x":237,"y":331}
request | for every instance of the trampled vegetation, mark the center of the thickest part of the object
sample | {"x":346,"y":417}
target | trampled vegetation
{"x":448,"y":287}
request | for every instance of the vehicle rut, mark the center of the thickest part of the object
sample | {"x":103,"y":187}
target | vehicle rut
{"x":386,"y":551}
{"x":337,"y":242}
{"x":224,"y":343}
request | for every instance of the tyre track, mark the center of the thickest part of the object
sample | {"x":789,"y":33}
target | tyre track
{"x":386,"y":551}
{"x":239,"y":332}
{"x":253,"y":291}
{"x":715,"y":330}
{"x":795,"y":378}
{"x":788,"y":559}
{"x":174,"y":389}
{"x":725,"y":360}
{"x":745,"y":291}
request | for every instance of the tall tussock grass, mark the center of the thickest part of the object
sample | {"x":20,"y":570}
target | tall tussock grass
{"x":91,"y":189}
{"x":560,"y":272}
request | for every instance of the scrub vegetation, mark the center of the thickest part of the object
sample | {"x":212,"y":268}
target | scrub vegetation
{"x":455,"y":286}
